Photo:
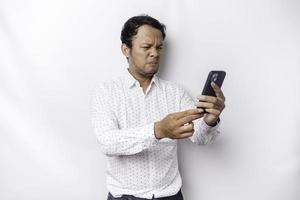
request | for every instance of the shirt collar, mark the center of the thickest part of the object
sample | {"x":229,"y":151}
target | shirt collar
{"x":130,"y":81}
{"x":155,"y":80}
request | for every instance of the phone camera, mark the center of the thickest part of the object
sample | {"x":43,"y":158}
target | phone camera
{"x":214,"y":77}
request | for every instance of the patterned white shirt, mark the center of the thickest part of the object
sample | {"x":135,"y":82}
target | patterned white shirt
{"x":123,"y":118}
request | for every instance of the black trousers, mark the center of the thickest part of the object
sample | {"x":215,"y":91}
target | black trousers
{"x":177,"y":196}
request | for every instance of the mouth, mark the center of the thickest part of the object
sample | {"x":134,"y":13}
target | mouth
{"x":153,"y":63}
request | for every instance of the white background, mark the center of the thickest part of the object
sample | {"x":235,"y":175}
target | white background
{"x":53,"y":52}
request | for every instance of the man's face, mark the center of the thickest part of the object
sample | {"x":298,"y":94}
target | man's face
{"x":144,"y":55}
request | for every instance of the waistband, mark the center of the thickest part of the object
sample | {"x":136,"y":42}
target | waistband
{"x":177,"y":196}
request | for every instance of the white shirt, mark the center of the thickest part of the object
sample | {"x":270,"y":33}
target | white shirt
{"x":123,"y":118}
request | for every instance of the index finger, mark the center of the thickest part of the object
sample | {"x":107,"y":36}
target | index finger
{"x":185,"y":113}
{"x":217,"y":90}
{"x":188,"y":119}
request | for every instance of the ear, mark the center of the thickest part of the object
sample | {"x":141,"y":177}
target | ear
{"x":125,"y":50}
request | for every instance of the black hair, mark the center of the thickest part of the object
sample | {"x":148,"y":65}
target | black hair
{"x":131,"y":25}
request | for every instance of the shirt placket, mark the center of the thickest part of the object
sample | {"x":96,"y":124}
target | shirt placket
{"x":149,"y":119}
{"x":145,"y":119}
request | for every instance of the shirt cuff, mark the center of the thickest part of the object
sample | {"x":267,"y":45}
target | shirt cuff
{"x":206,"y":129}
{"x":150,"y":138}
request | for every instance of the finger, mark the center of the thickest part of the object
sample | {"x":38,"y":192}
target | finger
{"x":205,"y":98}
{"x":204,"y":105}
{"x":217,"y":90}
{"x":215,"y":112}
{"x":185,"y":135}
{"x":189,"y":119}
{"x":185,"y":113}
{"x":201,"y":110}
{"x":216,"y":101}
{"x":185,"y":128}
{"x":220,"y":105}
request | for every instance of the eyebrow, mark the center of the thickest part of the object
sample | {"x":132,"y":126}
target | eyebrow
{"x":146,"y":43}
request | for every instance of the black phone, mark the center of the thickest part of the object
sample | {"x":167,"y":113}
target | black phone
{"x":216,"y":77}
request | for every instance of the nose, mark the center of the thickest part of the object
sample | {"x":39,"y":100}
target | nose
{"x":154,"y":53}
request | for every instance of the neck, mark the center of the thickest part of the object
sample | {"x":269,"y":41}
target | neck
{"x":143,"y":80}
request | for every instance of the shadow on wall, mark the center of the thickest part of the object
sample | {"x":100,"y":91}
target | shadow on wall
{"x":163,"y":65}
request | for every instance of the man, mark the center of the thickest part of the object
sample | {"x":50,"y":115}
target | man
{"x":138,"y":119}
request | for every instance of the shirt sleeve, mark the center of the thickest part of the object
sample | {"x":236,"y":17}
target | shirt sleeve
{"x":203,"y":133}
{"x":115,"y":141}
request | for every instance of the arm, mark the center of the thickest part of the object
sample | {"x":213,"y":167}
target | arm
{"x":115,"y":141}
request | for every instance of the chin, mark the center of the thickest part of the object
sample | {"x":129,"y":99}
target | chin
{"x":153,"y":68}
{"x":152,"y":71}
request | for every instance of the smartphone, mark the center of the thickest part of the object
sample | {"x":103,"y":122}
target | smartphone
{"x":216,"y":77}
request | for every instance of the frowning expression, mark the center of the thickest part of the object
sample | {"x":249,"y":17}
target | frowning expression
{"x":144,"y":55}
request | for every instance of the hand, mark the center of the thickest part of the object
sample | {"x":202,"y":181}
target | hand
{"x":212,"y":105}
{"x":177,"y":125}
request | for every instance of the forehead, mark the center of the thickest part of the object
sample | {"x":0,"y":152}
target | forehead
{"x":147,"y":33}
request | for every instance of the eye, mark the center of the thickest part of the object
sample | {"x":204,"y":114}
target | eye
{"x":160,"y":47}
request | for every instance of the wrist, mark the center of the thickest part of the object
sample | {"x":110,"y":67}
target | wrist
{"x":157,"y":131}
{"x":214,"y":123}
